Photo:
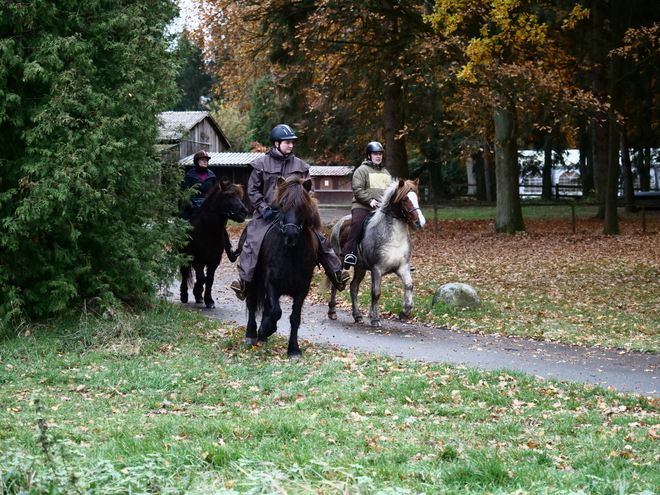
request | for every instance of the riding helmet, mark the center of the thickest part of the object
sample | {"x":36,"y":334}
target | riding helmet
{"x":282,"y":132}
{"x":200,"y":154}
{"x":374,"y":146}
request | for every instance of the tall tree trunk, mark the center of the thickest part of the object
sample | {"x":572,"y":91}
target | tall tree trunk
{"x":396,"y":156}
{"x":600,"y":125}
{"x":546,"y":190}
{"x":508,"y":217}
{"x":626,"y":167}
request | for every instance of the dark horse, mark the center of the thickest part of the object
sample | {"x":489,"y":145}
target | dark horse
{"x":384,"y":247}
{"x":209,"y":238}
{"x":286,"y":263}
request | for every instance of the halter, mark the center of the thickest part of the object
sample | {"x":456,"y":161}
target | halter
{"x":404,"y":214}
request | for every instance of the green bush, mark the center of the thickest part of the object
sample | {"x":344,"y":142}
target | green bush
{"x":85,"y":206}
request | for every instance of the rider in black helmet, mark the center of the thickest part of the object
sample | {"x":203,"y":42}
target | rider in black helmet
{"x":279,"y":161}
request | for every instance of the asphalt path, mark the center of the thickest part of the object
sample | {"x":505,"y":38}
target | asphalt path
{"x":622,"y":370}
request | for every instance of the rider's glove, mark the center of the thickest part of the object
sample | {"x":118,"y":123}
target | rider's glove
{"x":269,"y":214}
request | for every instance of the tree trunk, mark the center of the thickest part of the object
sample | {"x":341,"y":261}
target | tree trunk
{"x":508,"y":217}
{"x":396,"y":156}
{"x":628,"y":178}
{"x":600,"y":125}
{"x":546,"y":190}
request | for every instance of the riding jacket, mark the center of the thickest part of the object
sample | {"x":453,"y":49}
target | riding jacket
{"x":192,"y":180}
{"x":369,"y":182}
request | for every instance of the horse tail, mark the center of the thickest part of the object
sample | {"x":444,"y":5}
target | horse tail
{"x":187,"y":273}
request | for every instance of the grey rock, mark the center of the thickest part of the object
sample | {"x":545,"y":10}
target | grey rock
{"x":457,"y":295}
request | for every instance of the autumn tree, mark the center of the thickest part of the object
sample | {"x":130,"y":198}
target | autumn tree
{"x":507,"y":49}
{"x":82,"y":212}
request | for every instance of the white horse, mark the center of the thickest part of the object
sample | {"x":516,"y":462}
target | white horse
{"x":384,"y":247}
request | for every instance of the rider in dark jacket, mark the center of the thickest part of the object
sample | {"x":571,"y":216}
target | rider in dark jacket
{"x":202,"y":179}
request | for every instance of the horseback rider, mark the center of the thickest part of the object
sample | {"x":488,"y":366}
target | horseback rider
{"x":202,"y":179}
{"x":279,"y":161}
{"x":370,"y":180}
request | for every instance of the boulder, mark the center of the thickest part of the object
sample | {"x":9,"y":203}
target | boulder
{"x":457,"y":295}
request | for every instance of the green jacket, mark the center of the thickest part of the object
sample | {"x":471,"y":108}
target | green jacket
{"x":369,"y":182}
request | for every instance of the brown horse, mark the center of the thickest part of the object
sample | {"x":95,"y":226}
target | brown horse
{"x":384,"y":247}
{"x":286,"y":263}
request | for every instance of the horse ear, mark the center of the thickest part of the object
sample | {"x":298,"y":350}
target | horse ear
{"x":402,"y":182}
{"x":225,"y":183}
{"x":416,"y":182}
{"x":280,"y":181}
{"x":307,"y":184}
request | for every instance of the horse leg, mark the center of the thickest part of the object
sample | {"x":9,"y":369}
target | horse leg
{"x":374,"y":314}
{"x":251,"y":327}
{"x":198,"y":289}
{"x":294,"y":351}
{"x":208,"y":299}
{"x":185,"y":274}
{"x":406,"y":278}
{"x":271,"y":315}
{"x":231,"y":254}
{"x":358,"y":277}
{"x":332,"y":303}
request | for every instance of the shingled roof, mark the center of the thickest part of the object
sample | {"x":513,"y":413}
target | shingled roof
{"x":176,"y":125}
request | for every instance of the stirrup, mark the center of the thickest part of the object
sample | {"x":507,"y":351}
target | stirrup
{"x":350,"y":259}
{"x":238,"y":286}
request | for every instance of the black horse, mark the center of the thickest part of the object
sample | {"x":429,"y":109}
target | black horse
{"x":286,"y":263}
{"x":209,"y":238}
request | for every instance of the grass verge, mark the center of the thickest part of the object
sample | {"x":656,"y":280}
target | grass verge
{"x":169,"y":402}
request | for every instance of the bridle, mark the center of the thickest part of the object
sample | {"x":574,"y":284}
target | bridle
{"x":403,"y":214}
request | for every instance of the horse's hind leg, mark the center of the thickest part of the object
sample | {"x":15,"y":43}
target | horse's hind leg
{"x":251,"y":337}
{"x":198,"y":288}
{"x":358,"y":277}
{"x":185,"y":274}
{"x":294,"y":351}
{"x":406,"y":278}
{"x":208,"y":299}
{"x":376,"y":279}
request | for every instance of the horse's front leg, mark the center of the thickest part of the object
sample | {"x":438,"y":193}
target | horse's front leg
{"x":198,"y":288}
{"x":183,"y":289}
{"x":231,"y":254}
{"x":332,"y":303}
{"x":358,"y":277}
{"x":251,"y":337}
{"x":208,"y":298}
{"x":294,"y":351}
{"x":271,"y":315}
{"x":376,"y":279}
{"x":408,"y":286}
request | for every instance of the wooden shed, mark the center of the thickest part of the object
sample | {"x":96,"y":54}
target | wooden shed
{"x":184,"y":133}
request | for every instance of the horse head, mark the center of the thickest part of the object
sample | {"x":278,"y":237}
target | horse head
{"x":226,"y":199}
{"x":404,"y":203}
{"x":298,"y":210}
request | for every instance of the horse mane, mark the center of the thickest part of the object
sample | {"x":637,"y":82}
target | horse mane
{"x":225,"y":186}
{"x":292,"y":195}
{"x":394,"y":194}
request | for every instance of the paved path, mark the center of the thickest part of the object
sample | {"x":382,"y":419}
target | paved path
{"x":625,"y":371}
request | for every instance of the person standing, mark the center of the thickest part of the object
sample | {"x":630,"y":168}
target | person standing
{"x":370,"y":180}
{"x":200,"y":178}
{"x":278,"y":161}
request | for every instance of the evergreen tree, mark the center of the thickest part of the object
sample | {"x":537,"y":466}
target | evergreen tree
{"x":195,"y":82}
{"x":84,"y":204}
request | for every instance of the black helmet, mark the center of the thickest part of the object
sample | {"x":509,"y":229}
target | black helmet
{"x":374,"y":146}
{"x":282,"y":132}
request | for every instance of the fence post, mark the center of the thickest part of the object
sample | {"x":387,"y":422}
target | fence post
{"x":643,"y":219}
{"x":573,"y":217}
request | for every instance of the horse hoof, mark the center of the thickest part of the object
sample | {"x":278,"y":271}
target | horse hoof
{"x":184,"y":299}
{"x":332,"y":316}
{"x":375,"y":323}
{"x":295,"y":355}
{"x":199,"y":300}
{"x":404,"y":317}
{"x":358,"y":319}
{"x":251,"y":342}
{"x":210,"y":306}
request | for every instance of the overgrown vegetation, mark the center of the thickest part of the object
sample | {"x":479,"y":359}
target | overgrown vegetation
{"x":169,"y":402}
{"x":85,"y":206}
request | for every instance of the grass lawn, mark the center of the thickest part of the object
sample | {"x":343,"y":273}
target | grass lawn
{"x":165,"y":402}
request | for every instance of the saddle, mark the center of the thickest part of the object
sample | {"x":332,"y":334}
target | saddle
{"x":363,"y":227}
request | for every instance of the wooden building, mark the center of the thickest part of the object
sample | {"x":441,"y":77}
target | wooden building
{"x":185,"y":133}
